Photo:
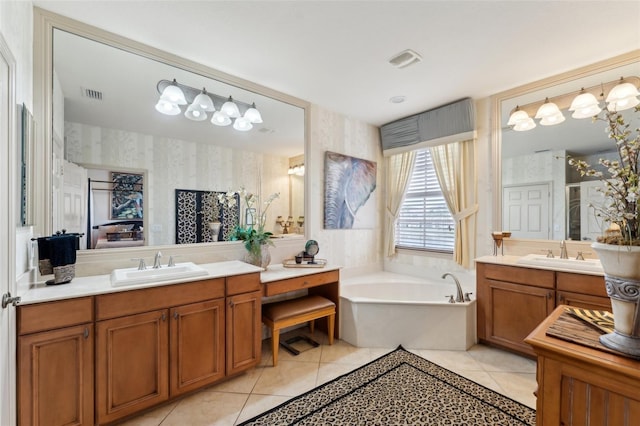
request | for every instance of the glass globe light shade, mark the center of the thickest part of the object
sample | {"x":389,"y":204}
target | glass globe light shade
{"x":548,"y":109}
{"x":172,"y":93}
{"x":242,"y":124}
{"x":585,"y":105}
{"x":623,"y":104}
{"x":167,"y":108}
{"x":230,"y":108}
{"x":622,"y":91}
{"x":552,"y":120}
{"x":517,"y":116}
{"x":220,"y":119}
{"x":195,"y":113}
{"x":524,"y":125}
{"x":253,"y":115}
{"x":204,"y":102}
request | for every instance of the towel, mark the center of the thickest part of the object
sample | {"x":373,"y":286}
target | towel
{"x":57,"y":255}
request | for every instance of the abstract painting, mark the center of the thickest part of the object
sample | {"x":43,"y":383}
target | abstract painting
{"x":349,"y":198}
{"x":126,"y":195}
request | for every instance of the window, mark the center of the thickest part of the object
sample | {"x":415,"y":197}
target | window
{"x":425,"y":221}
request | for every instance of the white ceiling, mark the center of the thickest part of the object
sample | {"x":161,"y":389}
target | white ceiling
{"x":334,"y":53}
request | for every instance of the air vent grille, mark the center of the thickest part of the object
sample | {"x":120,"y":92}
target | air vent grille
{"x":91,"y":93}
{"x":405,"y":58}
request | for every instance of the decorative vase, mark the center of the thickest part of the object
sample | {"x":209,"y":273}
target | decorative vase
{"x":215,"y":230}
{"x":621,"y":266}
{"x":260,"y":257}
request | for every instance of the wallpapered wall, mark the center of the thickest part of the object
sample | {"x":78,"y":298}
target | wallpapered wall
{"x":176,"y":164}
{"x":357,"y":250}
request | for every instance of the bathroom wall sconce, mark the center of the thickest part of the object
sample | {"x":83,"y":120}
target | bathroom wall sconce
{"x":622,"y":95}
{"x":297,"y":170}
{"x":173,"y":95}
{"x":300,"y":221}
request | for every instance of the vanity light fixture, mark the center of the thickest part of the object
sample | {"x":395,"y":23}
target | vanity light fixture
{"x":297,"y":170}
{"x":549,"y":114}
{"x":623,"y":94}
{"x":174,"y":94}
{"x":521,"y":121}
{"x":585,"y":105}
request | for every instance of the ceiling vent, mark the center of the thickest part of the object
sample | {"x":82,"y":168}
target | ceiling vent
{"x":91,"y":94}
{"x":405,"y":58}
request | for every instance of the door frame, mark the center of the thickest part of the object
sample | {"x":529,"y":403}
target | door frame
{"x":8,"y":223}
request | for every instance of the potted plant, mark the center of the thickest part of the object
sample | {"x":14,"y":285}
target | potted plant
{"x":253,"y":231}
{"x":619,"y":248}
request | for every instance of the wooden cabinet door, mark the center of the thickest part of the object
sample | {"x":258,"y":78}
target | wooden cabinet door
{"x":585,"y":301}
{"x":244,"y":331}
{"x":197,"y":345}
{"x":513,"y":311}
{"x":55,"y":377}
{"x":131,"y":364}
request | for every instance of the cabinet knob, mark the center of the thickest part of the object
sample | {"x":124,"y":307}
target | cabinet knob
{"x":175,"y":315}
{"x":549,"y":295}
{"x":561,"y":297}
{"x":231,"y":303}
{"x":86,"y":332}
{"x":163,"y":317}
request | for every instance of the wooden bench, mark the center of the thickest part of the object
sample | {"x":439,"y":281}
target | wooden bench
{"x":287,"y":313}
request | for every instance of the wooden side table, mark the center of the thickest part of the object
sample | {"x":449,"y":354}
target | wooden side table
{"x":582,"y":383}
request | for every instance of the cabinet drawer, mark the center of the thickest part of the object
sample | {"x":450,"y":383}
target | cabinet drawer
{"x":243,"y":284}
{"x":51,"y":315}
{"x":520,"y":275}
{"x":581,"y":283}
{"x":307,"y":281}
{"x":136,"y":301}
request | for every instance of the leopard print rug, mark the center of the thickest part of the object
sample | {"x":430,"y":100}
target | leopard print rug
{"x":399,"y":388}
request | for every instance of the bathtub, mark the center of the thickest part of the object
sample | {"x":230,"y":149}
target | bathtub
{"x":384,"y":310}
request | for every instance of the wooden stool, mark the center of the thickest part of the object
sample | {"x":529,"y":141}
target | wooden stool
{"x":279,"y":315}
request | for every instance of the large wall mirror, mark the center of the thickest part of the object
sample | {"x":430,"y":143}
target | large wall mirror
{"x":116,"y":167}
{"x":538,"y":195}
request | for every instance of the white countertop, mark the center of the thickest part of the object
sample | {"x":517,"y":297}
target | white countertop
{"x":513,"y":261}
{"x":101,"y":284}
{"x":279,"y":272}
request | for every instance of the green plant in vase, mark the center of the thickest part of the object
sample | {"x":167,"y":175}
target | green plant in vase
{"x":253,"y":231}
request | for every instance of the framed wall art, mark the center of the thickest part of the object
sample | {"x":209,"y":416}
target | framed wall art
{"x":126,"y":196}
{"x":349,"y":192}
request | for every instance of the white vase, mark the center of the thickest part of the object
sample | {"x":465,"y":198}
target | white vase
{"x":215,"y":230}
{"x":621,"y":266}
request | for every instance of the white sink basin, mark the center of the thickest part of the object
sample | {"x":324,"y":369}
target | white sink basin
{"x":589,"y":265}
{"x":130,"y":276}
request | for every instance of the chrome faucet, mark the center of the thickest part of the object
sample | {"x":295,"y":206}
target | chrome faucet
{"x":156,"y":260}
{"x":563,"y":250}
{"x":459,"y":296}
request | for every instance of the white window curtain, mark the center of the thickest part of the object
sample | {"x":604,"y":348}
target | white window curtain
{"x":399,"y":168}
{"x":456,"y":170}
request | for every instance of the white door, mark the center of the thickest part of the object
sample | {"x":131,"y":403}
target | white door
{"x":526,"y":211}
{"x":8,"y":220}
{"x":591,"y":227}
{"x":74,"y":200}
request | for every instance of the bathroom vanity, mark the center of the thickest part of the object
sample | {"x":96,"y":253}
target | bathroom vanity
{"x":123,"y":351}
{"x":514,"y":299}
{"x":91,"y":353}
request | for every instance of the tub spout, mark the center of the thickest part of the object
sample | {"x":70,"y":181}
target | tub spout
{"x":459,"y":296}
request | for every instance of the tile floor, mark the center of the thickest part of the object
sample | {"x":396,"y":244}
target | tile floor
{"x":264,"y":387}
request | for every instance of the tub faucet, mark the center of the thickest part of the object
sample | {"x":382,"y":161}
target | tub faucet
{"x":563,"y":250}
{"x":156,"y":260}
{"x":459,"y":296}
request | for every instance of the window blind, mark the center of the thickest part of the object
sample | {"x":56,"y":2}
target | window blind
{"x":424,"y":221}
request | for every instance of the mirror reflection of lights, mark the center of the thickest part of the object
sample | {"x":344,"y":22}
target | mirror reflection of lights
{"x":622,"y":96}
{"x":297,"y":170}
{"x":173,"y":94}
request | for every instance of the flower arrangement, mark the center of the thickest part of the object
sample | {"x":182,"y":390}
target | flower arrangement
{"x":252,"y":232}
{"x":621,"y":187}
